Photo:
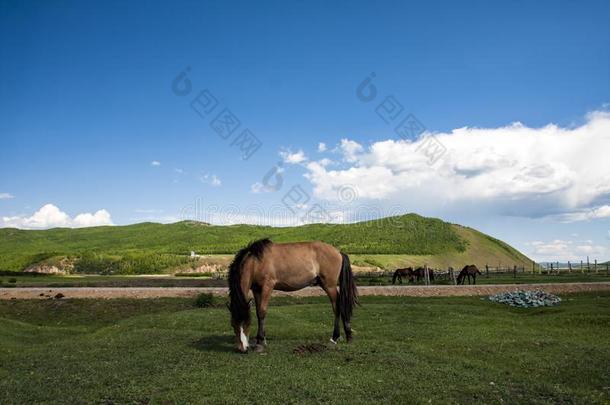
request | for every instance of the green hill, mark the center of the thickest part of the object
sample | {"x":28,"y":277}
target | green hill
{"x":152,"y":248}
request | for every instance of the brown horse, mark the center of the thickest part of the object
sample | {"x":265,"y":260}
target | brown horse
{"x":264,"y":266}
{"x":420,"y":273}
{"x":400,"y":273}
{"x":468,"y":271}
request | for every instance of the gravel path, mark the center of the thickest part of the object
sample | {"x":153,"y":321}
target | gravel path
{"x":410,"y":291}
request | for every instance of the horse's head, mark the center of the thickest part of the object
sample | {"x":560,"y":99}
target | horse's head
{"x":242,"y":331}
{"x":240,"y":321}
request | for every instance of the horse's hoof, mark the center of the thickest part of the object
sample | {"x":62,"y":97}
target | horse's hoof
{"x":333,"y":341}
{"x":259,"y":348}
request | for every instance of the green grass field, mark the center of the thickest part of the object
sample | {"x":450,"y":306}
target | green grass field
{"x":415,"y":350}
{"x":149,"y":248}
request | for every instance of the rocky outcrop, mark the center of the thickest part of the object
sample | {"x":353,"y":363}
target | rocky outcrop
{"x":61,"y":266}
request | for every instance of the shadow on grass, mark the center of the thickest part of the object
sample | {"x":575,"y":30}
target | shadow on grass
{"x":215,"y":343}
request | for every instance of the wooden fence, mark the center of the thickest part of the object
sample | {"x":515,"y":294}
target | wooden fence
{"x":582,"y":266}
{"x":487,"y":271}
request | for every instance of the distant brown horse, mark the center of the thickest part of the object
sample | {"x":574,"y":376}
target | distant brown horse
{"x":468,"y":271}
{"x":407,"y":272}
{"x":264,"y":266}
{"x":420,"y":273}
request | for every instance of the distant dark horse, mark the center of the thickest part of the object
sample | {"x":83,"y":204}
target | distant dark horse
{"x":468,"y":271}
{"x":407,"y":272}
{"x":420,"y":273}
{"x":264,"y":266}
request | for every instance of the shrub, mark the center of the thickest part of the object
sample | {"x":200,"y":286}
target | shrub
{"x":205,"y":300}
{"x":12,"y":280}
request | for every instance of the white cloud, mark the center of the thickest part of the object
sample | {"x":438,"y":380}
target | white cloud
{"x":564,"y":250}
{"x":258,"y":188}
{"x":211,"y":179}
{"x":602,"y":211}
{"x":179,"y":171}
{"x":155,"y":163}
{"x":513,"y":170}
{"x":321,"y":147}
{"x":50,"y":216}
{"x":6,"y":196}
{"x":350,"y":149}
{"x":101,"y":217}
{"x":293,"y":158}
{"x":325,"y":162}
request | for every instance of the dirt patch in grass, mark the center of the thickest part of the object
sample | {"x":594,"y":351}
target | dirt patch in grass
{"x":309,"y":348}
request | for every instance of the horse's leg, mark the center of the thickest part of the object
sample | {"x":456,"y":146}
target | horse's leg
{"x":262,"y":301}
{"x":347,"y":328}
{"x":257,"y":300}
{"x":333,"y":296}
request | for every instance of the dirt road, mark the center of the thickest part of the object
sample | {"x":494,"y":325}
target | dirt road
{"x":410,"y":291}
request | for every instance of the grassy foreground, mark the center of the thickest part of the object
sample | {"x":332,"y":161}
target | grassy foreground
{"x":405,"y":350}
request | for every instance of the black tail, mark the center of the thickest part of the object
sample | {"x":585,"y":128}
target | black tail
{"x":348,"y":293}
{"x":238,"y":304}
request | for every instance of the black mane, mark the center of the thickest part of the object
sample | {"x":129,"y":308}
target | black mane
{"x":257,"y":248}
{"x":239,"y":305}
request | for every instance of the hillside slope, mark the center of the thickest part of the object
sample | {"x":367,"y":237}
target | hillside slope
{"x":158,"y":246}
{"x":481,"y":249}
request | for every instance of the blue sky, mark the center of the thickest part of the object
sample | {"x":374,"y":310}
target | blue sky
{"x":86,"y":107}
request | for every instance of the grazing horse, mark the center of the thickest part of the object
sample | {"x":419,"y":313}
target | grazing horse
{"x":420,"y":273}
{"x":400,"y":273}
{"x":468,"y":271}
{"x":264,"y":266}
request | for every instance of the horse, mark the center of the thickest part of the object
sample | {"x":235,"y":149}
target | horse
{"x":420,"y":273}
{"x":264,"y":266}
{"x":400,"y":273}
{"x":468,"y":271}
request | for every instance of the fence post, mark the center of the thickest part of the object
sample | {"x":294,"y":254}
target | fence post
{"x":588,"y":264}
{"x":514,"y":271}
{"x":581,"y":268}
{"x":569,"y":267}
{"x":595,"y":266}
{"x":426,"y":275}
{"x":486,"y":271}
